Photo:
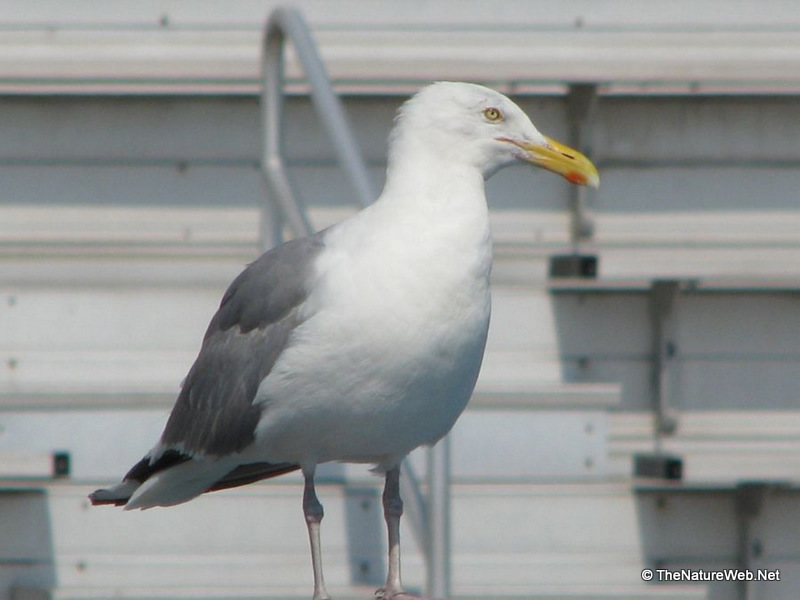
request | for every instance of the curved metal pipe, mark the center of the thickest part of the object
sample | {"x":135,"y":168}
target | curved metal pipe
{"x":288,"y":24}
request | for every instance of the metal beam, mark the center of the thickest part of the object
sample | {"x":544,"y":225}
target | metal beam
{"x":581,"y":103}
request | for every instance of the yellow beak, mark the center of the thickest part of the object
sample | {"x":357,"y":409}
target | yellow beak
{"x":558,"y":158}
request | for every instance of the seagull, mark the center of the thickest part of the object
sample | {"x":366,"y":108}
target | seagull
{"x":363,"y":341}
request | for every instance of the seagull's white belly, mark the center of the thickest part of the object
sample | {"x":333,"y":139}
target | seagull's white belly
{"x":375,"y":374}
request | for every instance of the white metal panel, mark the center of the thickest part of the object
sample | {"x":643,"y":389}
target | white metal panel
{"x":121,"y":319}
{"x":115,"y":376}
{"x":521,"y":446}
{"x":544,"y":539}
{"x":716,"y":446}
{"x":102,"y":445}
{"x":740,"y":326}
{"x":168,"y":46}
{"x":162,"y":185}
{"x":739,"y":384}
{"x":234,"y":186}
{"x":696,"y":261}
{"x":697,"y":130}
{"x":107,"y":332}
{"x":701,"y":529}
{"x":683,"y":189}
{"x":685,"y":129}
{"x":686,"y":182}
{"x":491,"y":445}
{"x":80,"y":224}
{"x":259,"y":540}
{"x":456,"y":14}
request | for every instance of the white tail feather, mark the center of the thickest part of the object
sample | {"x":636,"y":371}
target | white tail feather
{"x":180,"y":483}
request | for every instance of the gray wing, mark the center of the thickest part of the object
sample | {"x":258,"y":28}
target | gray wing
{"x":214,"y":413}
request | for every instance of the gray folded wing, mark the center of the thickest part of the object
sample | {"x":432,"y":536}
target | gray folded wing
{"x":214,"y":414}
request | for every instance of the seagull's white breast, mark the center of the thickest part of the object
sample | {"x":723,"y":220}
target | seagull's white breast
{"x":389,"y":356}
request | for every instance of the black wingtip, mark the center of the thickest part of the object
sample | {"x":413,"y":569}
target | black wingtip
{"x":104,"y":497}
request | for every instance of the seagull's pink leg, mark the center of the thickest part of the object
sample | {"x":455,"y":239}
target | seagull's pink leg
{"x":392,"y":511}
{"x":312,"y":509}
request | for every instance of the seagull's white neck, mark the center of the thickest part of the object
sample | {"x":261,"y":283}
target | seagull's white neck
{"x":438,"y":181}
{"x":432,"y":213}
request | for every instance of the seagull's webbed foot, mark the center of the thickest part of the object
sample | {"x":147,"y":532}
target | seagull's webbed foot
{"x":395,"y":594}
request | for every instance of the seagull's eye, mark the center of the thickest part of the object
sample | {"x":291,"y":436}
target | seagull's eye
{"x":492,"y":114}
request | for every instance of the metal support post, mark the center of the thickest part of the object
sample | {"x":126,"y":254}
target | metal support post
{"x":748,"y":501}
{"x":581,"y":101}
{"x":439,"y":519}
{"x":663,"y":295}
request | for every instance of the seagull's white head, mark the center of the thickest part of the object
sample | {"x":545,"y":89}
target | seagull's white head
{"x":478,"y":126}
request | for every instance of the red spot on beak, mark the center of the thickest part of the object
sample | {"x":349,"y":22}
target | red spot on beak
{"x":576,"y":178}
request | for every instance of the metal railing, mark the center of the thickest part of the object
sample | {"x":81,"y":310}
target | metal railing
{"x":288,"y":23}
{"x":429,"y":518}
